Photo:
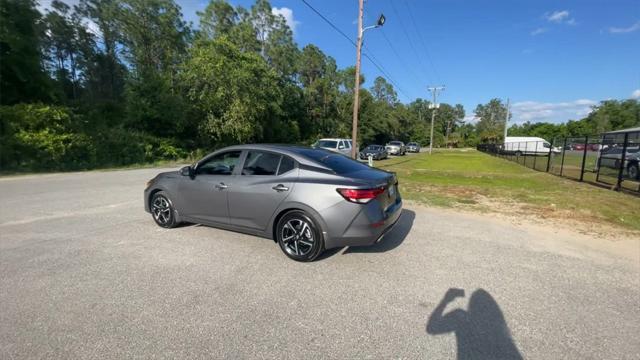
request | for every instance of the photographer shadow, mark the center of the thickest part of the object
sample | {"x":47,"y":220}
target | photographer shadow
{"x":481,"y":331}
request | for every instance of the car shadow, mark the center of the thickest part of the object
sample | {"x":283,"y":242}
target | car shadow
{"x":392,"y":239}
{"x":481,"y":331}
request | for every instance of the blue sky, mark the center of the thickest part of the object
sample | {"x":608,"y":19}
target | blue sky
{"x":553,"y":59}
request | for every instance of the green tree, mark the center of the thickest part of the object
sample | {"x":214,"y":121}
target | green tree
{"x":383,"y":91}
{"x":491,"y":125}
{"x":22,"y":77}
{"x":235,"y":92}
{"x":156,"y":40}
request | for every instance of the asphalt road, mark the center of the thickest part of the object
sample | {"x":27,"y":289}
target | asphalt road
{"x":85,"y":273}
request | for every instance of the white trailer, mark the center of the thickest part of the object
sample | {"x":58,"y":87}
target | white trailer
{"x":526,"y":145}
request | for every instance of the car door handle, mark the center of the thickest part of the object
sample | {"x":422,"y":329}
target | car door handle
{"x":280,"y":188}
{"x":221,"y":186}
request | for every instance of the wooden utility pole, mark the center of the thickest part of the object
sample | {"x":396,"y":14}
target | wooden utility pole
{"x":356,"y":87}
{"x":434,"y":105}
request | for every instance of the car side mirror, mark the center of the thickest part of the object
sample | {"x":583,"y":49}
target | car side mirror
{"x":187,"y":171}
{"x":341,"y":147}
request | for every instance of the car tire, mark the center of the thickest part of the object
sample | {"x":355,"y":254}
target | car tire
{"x":299,"y":236}
{"x":632,"y":171}
{"x":162,"y":210}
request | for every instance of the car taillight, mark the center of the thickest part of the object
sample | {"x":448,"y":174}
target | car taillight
{"x":360,"y":196}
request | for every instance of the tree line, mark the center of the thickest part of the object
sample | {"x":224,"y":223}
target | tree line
{"x":116,"y":82}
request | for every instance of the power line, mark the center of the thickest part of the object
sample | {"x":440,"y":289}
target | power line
{"x":406,"y":34}
{"x":330,"y":23}
{"x":365,"y":54}
{"x":400,"y":58}
{"x":426,"y":50}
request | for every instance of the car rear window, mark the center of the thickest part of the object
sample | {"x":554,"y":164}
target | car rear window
{"x":395,"y":143}
{"x":340,"y":164}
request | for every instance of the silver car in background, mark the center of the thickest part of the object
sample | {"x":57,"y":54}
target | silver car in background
{"x":342,"y":146}
{"x":396,"y":148}
{"x":307,"y":200}
{"x":413,"y":147}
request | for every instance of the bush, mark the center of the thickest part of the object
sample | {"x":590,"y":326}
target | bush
{"x":42,"y":137}
{"x":36,"y":137}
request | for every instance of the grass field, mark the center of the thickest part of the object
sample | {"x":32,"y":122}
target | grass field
{"x":474,"y":180}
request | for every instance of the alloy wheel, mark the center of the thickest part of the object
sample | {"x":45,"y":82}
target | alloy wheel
{"x":161,"y":210}
{"x":297,"y":237}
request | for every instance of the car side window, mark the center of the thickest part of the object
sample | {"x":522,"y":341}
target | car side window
{"x":348,"y":143}
{"x":340,"y":145}
{"x":261,"y":163}
{"x":286,"y":165}
{"x":221,"y":164}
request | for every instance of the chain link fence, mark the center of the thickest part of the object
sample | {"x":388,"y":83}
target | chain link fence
{"x":610,"y":160}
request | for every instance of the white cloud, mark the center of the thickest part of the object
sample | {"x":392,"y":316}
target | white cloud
{"x":538,"y":31}
{"x":535,"y":111}
{"x":632,"y":28}
{"x":557,"y":16}
{"x":471,"y":119}
{"x":560,"y":17}
{"x":288,"y":16}
{"x":635,"y":94}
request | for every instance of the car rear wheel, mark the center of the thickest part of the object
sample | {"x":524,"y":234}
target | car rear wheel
{"x":162,"y":210}
{"x":299,"y":237}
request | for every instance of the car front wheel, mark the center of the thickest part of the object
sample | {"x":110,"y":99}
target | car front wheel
{"x":162,"y":210}
{"x":299,"y":237}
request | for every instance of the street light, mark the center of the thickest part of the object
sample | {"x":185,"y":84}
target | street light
{"x":356,"y":94}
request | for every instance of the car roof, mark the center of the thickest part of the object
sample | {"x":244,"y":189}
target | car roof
{"x":295,"y":151}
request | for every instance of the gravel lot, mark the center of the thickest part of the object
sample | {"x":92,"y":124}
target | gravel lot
{"x":85,"y":273}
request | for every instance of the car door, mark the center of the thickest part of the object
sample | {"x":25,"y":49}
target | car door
{"x":266,"y":179}
{"x":342,"y":148}
{"x":204,"y":197}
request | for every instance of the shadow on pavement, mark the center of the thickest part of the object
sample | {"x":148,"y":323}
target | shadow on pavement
{"x":392,"y":239}
{"x":481,"y":331}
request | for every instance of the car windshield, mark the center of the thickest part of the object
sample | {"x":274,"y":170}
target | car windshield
{"x":327,"y":144}
{"x":412,"y":144}
{"x":373,"y":147}
{"x":395,"y":143}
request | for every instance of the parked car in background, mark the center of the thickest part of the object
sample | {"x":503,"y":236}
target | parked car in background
{"x":413,"y":147}
{"x":525,"y":145}
{"x":377,"y":152}
{"x":612,"y":157}
{"x":396,"y":148}
{"x":577,"y":147}
{"x":307,"y":200}
{"x":342,"y":146}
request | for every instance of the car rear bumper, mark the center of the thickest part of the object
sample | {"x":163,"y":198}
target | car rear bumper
{"x":367,"y":229}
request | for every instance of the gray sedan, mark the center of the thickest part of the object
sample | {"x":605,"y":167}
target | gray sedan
{"x":307,"y":200}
